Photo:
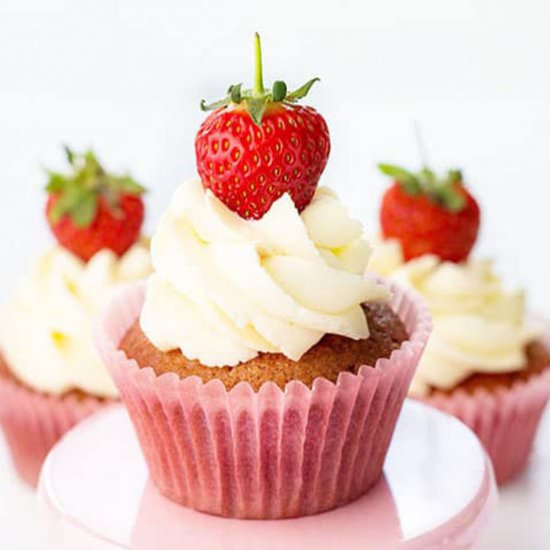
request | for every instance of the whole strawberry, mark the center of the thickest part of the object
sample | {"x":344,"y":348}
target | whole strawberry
{"x":89,"y":210}
{"x":258,"y":144}
{"x":429,"y":215}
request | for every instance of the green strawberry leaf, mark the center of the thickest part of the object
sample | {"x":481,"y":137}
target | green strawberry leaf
{"x":455,"y":176}
{"x":451,"y":199}
{"x":91,"y":162}
{"x":278,"y":91}
{"x":69,"y":199}
{"x":57,"y":212}
{"x":215,"y":105}
{"x":69,"y":154}
{"x":302,"y":91}
{"x":443,"y":191}
{"x":396,"y":172}
{"x":428,"y":179}
{"x":56,"y":182}
{"x":406,"y":179}
{"x":126,"y":184}
{"x":80,"y":191}
{"x":84,"y":212}
{"x":235,"y":92}
{"x":256,"y":108}
{"x":78,"y":203}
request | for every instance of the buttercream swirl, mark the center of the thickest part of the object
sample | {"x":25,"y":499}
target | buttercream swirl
{"x":46,"y":327}
{"x":225,"y":288}
{"x":386,"y":257}
{"x":478,"y":325}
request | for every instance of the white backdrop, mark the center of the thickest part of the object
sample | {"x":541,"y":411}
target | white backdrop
{"x":126,"y":77}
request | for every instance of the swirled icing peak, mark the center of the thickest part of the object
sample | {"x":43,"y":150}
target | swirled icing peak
{"x":225,"y":288}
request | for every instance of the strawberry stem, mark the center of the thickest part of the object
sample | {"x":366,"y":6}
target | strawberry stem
{"x":257,"y":98}
{"x":420,"y":144}
{"x":258,"y":76}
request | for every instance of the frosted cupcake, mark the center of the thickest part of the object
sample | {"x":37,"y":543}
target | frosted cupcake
{"x":238,"y":300}
{"x":263,"y":372}
{"x":487,"y":362}
{"x":50,"y":373}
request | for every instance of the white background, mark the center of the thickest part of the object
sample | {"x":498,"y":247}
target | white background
{"x":126,"y":77}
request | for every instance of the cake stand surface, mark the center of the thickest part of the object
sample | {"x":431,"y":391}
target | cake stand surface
{"x":438,"y":491}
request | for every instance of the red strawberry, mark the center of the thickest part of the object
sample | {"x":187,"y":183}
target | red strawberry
{"x":258,"y":144}
{"x":90,"y":210}
{"x":429,"y":215}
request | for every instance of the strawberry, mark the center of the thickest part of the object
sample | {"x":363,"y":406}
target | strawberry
{"x":258,"y":144}
{"x":429,"y":215}
{"x":90,"y":210}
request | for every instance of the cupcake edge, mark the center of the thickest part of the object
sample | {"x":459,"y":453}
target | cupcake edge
{"x":34,"y":422}
{"x":505,"y":419}
{"x":271,"y":453}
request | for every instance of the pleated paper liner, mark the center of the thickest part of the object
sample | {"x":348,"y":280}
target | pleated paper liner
{"x":271,"y":453}
{"x":33,"y":422}
{"x":505,"y":420}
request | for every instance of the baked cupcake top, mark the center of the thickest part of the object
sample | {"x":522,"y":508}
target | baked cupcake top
{"x":479,"y":326}
{"x":46,"y":326}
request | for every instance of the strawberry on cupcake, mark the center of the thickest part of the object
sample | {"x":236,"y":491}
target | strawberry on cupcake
{"x":429,"y":214}
{"x":486,"y":362}
{"x":50,"y":374}
{"x":263,"y":371}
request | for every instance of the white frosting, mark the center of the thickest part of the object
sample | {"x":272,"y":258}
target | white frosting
{"x":46,"y":328}
{"x":478,"y":326}
{"x":386,"y":257}
{"x":226,"y":288}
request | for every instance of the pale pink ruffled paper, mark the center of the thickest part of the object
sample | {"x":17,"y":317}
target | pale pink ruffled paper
{"x":33,"y":422}
{"x":505,"y":420}
{"x":271,"y":453}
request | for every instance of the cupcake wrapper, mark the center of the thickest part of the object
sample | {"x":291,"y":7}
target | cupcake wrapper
{"x":33,"y":422}
{"x":505,"y":421}
{"x":265,"y":454}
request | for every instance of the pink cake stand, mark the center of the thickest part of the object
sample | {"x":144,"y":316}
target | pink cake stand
{"x":438,"y":490}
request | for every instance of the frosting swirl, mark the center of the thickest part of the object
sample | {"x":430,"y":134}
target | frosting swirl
{"x":478,"y":326}
{"x":386,"y":257}
{"x":46,"y":327}
{"x":226,"y":288}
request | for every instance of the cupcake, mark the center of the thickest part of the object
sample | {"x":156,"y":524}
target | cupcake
{"x":262,"y":370}
{"x":487,"y":361}
{"x":50,"y":373}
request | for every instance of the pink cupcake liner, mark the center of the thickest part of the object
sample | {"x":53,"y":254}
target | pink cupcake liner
{"x":505,"y":420}
{"x":33,"y":422}
{"x":270,"y":453}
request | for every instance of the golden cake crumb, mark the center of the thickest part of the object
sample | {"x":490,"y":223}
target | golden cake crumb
{"x":332,"y":355}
